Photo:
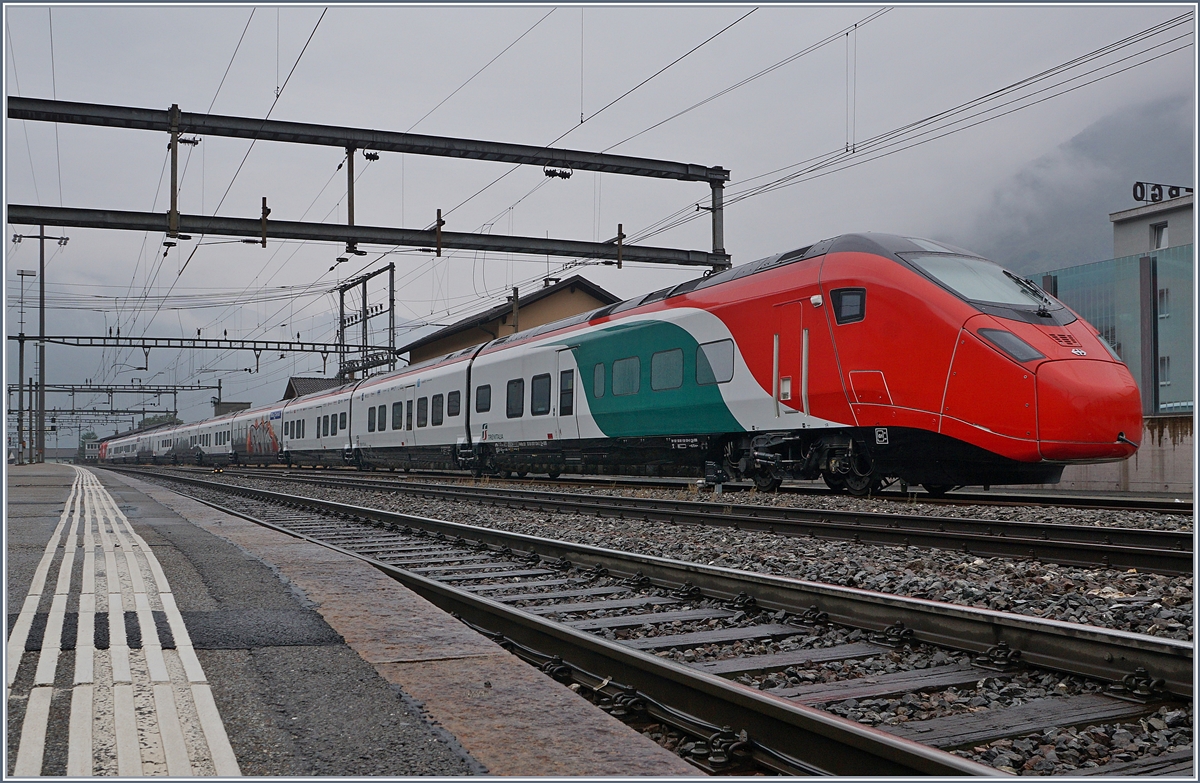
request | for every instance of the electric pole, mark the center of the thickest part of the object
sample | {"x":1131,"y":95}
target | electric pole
{"x":41,"y":397}
{"x":22,"y":274}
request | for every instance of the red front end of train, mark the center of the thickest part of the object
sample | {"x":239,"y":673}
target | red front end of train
{"x":946,"y":369}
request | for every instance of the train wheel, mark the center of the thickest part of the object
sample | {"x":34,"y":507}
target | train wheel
{"x":833,"y":481}
{"x":938,"y":490}
{"x":860,"y":486}
{"x":554,"y":474}
{"x":522,"y":474}
{"x":765,"y":482}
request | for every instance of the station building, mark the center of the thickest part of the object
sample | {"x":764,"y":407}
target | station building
{"x":1141,"y":301}
{"x":554,"y":301}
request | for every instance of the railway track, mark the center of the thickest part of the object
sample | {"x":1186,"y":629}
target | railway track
{"x":1049,"y":499}
{"x":608,"y":623}
{"x":1155,"y":551}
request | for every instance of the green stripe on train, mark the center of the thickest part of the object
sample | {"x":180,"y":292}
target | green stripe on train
{"x":688,"y":409}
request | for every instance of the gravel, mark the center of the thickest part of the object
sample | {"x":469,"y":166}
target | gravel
{"x":1147,"y":520}
{"x":1146,"y":603}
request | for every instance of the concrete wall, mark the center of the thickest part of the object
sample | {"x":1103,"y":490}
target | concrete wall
{"x":1132,"y":232}
{"x":1163,"y":463}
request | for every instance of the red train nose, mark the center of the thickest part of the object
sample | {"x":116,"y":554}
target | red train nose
{"x":1085,"y":407}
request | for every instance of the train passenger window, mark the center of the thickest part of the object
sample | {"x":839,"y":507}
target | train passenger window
{"x":397,"y":415}
{"x":849,"y":305}
{"x":325,"y":425}
{"x":539,"y":395}
{"x":566,"y":393}
{"x":598,"y":380}
{"x":516,"y":398}
{"x":342,"y":421}
{"x":408,"y":423}
{"x":422,"y":411}
{"x":437,"y":409}
{"x":453,"y":403}
{"x":714,"y":362}
{"x":333,"y":424}
{"x":382,"y":418}
{"x":370,"y":419}
{"x":666,"y":370}
{"x":627,"y":376}
{"x":483,"y":398}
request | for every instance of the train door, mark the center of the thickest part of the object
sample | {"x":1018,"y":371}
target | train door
{"x":566,"y":388}
{"x":790,"y":361}
{"x":410,"y":415}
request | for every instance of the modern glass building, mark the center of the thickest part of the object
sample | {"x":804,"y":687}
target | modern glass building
{"x":1141,"y":301}
{"x":1142,"y":305}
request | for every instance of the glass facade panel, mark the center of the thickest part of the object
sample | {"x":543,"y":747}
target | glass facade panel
{"x":1107,"y":294}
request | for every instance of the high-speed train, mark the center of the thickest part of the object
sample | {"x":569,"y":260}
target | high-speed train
{"x":862,"y":358}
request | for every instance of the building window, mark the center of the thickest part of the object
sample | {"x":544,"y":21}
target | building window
{"x":1160,"y":236}
{"x":483,"y":398}
{"x":539,"y":395}
{"x":453,"y":403}
{"x":516,"y":398}
{"x":1164,"y":371}
{"x":627,"y":376}
{"x":422,"y":411}
{"x":437,"y":409}
{"x":566,"y":393}
{"x":1164,"y":302}
{"x":666,"y":370}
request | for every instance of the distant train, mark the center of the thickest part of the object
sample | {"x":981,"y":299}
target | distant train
{"x":860,"y":359}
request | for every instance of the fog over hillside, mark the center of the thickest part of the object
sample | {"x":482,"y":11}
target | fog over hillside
{"x":1054,"y":212}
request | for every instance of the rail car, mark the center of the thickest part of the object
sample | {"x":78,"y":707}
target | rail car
{"x":859,"y":359}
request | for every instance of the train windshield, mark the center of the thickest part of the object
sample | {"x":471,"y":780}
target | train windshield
{"x":979,"y":280}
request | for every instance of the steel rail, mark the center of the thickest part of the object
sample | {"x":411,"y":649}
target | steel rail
{"x":817,"y":742}
{"x":1156,"y":551}
{"x":1052,"y":499}
{"x":1074,"y":648}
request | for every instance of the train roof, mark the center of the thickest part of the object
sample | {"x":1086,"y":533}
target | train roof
{"x":888,"y":245}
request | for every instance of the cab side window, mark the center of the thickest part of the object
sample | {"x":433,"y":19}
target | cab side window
{"x":849,"y":305}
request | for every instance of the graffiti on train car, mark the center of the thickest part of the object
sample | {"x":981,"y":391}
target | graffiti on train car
{"x":260,"y":438}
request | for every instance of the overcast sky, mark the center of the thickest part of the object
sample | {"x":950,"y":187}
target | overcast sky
{"x":1031,"y":189}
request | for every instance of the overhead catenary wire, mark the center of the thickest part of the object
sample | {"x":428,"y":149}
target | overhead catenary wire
{"x":910,"y":134}
{"x":274,"y":103}
{"x":250,"y":148}
{"x":24,"y":125}
{"x":753,"y":77}
{"x":54,"y":93}
{"x":160,"y":254}
{"x":574,"y":128}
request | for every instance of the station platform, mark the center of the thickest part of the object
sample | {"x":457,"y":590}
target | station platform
{"x":149,"y":634}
